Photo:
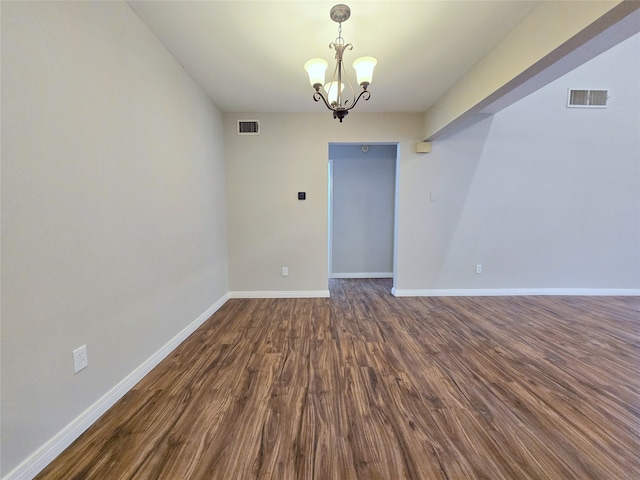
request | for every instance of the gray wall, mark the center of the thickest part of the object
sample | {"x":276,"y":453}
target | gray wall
{"x":113,"y":208}
{"x":268,"y":227}
{"x":362,"y":217}
{"x":543,"y":196}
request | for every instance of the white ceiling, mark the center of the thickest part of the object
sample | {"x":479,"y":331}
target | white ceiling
{"x":249,"y":55}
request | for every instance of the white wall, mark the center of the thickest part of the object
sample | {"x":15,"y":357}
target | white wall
{"x":541,"y":195}
{"x":544,"y":197}
{"x":268,"y":227}
{"x":113,"y":208}
{"x":363,"y":208}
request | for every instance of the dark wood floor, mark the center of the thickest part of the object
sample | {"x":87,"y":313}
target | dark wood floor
{"x":368,"y":386}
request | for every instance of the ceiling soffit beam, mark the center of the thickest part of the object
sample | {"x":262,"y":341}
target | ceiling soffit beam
{"x":548,"y":35}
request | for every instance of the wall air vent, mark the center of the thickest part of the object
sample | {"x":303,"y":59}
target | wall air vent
{"x":588,"y":98}
{"x":248,"y":127}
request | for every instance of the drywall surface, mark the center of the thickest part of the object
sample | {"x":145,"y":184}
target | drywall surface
{"x":551,"y":32}
{"x":543,"y":196}
{"x":268,"y":226}
{"x":113,"y":208}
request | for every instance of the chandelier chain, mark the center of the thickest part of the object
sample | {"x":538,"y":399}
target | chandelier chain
{"x":340,"y":40}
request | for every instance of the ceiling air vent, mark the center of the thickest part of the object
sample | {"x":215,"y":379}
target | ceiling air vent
{"x":588,"y":98}
{"x":248,"y":127}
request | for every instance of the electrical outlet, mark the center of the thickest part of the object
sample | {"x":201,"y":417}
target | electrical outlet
{"x":80,"y":359}
{"x":478,"y":268}
{"x":285,"y":271}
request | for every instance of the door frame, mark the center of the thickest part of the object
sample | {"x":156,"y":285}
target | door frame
{"x":330,"y":203}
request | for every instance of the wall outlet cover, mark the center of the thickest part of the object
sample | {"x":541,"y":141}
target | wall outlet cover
{"x":80,"y":358}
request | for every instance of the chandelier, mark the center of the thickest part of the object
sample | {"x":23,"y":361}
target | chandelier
{"x":316,"y":68}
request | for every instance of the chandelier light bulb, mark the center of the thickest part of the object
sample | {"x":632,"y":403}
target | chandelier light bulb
{"x":364,"y":70}
{"x":316,"y":68}
{"x":332,"y":92}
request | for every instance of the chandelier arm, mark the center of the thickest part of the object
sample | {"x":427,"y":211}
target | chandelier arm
{"x":364,"y":93}
{"x":317,"y":96}
{"x":353,"y":92}
{"x":342,"y":103}
{"x":336,"y":79}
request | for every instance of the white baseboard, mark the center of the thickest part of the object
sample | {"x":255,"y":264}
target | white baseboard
{"x":38,"y":460}
{"x":280,"y":294}
{"x":363,"y":275}
{"x":503,"y":292}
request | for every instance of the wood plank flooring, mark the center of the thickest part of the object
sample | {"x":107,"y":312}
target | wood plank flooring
{"x":367,"y":386}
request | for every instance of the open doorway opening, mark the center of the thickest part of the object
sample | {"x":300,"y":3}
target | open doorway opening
{"x":362,"y":210}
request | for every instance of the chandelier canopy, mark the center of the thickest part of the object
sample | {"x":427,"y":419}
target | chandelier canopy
{"x":316,"y":68}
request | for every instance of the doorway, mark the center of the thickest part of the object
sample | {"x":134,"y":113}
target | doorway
{"x":362,"y":210}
